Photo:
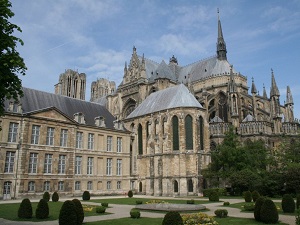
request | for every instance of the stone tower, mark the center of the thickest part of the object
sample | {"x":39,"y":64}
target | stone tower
{"x":101,"y":88}
{"x":71,"y":84}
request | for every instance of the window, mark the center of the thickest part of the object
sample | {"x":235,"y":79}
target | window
{"x":109,"y":143}
{"x":63,"y":137}
{"x":61,"y":186}
{"x":47,"y":186}
{"x":31,"y":186}
{"x":119,"y":144}
{"x":201,"y":132}
{"x":90,"y":165}
{"x":90,"y":185}
{"x":119,"y":185}
{"x":35,"y":135}
{"x":140,"y":139}
{"x":119,"y":167}
{"x":188,"y":132}
{"x":77,"y":185}
{"x":50,"y":136}
{"x":108,"y":185}
{"x":109,"y":166}
{"x":175,"y":133}
{"x":13,"y":132}
{"x":33,"y":163}
{"x":91,"y":141}
{"x":79,"y":139}
{"x":78,"y":160}
{"x":48,"y":163}
{"x":62,"y":164}
{"x":9,"y":162}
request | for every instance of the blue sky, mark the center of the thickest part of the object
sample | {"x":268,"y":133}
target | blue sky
{"x":96,"y":37}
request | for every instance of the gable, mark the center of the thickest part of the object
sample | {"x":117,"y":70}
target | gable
{"x":51,"y":114}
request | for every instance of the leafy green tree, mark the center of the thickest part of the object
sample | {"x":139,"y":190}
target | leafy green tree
{"x":244,"y":180}
{"x":11,"y":63}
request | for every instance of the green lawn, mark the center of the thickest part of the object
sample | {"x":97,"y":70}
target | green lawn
{"x":132,"y":201}
{"x":10,"y":211}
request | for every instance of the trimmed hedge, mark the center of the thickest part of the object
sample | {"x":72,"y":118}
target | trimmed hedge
{"x":46,"y":196}
{"x":135,"y":213}
{"x":86,"y":196}
{"x":192,"y":201}
{"x":79,"y":211}
{"x":288,"y":204}
{"x":105,"y":204}
{"x":268,"y":212}
{"x":257,"y":208}
{"x":130,"y":194}
{"x":249,"y":206}
{"x":247,"y":196}
{"x":42,"y":210}
{"x":172,"y":218}
{"x":55,"y":197}
{"x":25,"y":209}
{"x":67,"y":214}
{"x":100,"y":209}
{"x":214,"y":196}
{"x":221,"y":213}
{"x":255,"y":195}
{"x":226,"y":203}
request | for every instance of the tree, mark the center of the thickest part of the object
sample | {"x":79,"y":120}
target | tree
{"x":11,"y":63}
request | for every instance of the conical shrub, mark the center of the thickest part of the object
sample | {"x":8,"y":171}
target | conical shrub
{"x":55,"y":197}
{"x":288,"y":204}
{"x":255,"y":195}
{"x":172,"y":218}
{"x":67,"y":214}
{"x":46,"y":196}
{"x":42,"y":210}
{"x":79,"y":211}
{"x":25,"y":209}
{"x":248,"y":196}
{"x":86,"y":195}
{"x":257,"y":208}
{"x":268,"y":212}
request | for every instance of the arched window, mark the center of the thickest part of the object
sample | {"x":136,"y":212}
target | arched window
{"x":147,"y":129}
{"x":140,"y":139}
{"x":175,"y":133}
{"x":201,"y":132}
{"x":175,"y":186}
{"x":188,"y":132}
{"x":190,"y":185}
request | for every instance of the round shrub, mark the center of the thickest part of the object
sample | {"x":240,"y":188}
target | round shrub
{"x":249,"y":206}
{"x":255,"y":195}
{"x":257,"y":208}
{"x":55,"y":197}
{"x":46,"y":196}
{"x":138,"y":202}
{"x":67,"y":214}
{"x":79,"y":211}
{"x":221,"y":213}
{"x":130,"y":194}
{"x":288,"y":204}
{"x":298,"y":201}
{"x":268,"y":212}
{"x":100,"y":209}
{"x":190,"y":201}
{"x":105,"y":204}
{"x":247,"y":196}
{"x":25,"y":209}
{"x":172,"y":218}
{"x":226,"y":203}
{"x":297,"y":217}
{"x":214,"y":196}
{"x":42,"y":210}
{"x":86,"y":196}
{"x":135,"y":213}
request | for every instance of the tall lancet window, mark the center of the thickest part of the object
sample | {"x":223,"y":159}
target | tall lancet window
{"x":189,"y":132}
{"x":175,"y":133}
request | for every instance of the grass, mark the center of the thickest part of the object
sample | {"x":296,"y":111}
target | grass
{"x":10,"y":211}
{"x":132,"y":201}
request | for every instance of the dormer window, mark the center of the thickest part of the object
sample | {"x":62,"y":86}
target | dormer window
{"x":14,"y":107}
{"x":118,"y":125}
{"x":79,"y":118}
{"x":100,"y":121}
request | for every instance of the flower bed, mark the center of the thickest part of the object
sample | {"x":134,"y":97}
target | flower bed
{"x":198,"y":219}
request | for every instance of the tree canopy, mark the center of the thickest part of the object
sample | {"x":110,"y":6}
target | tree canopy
{"x":11,"y":63}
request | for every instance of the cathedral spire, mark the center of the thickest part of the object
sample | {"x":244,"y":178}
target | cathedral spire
{"x":289,"y":97}
{"x":221,"y":45}
{"x":274,"y":88}
{"x":265,"y":92}
{"x":253,"y":87}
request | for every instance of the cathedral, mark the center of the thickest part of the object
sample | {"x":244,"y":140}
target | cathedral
{"x":153,"y":133}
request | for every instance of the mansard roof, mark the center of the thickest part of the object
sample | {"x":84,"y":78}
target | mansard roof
{"x":34,"y":100}
{"x":170,"y":98}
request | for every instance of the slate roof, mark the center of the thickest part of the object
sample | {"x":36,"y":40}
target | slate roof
{"x":34,"y":100}
{"x":173,"y":97}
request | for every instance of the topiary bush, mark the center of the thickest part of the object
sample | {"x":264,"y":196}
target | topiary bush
{"x":249,"y":206}
{"x":298,"y":201}
{"x":55,"y":197}
{"x":130,"y":194}
{"x":25,"y":209}
{"x":288,"y":204}
{"x":42,"y":209}
{"x":86,"y":196}
{"x":192,"y":201}
{"x":138,"y":202}
{"x":135,"y":213}
{"x":221,"y":213}
{"x":226,"y":203}
{"x":255,"y":195}
{"x":268,"y":212}
{"x":257,"y":208}
{"x":46,"y":196}
{"x":79,"y":211}
{"x":172,"y":218}
{"x":100,"y":209}
{"x":247,"y":196}
{"x":105,"y":204}
{"x":67,"y":214}
{"x":214,"y":196}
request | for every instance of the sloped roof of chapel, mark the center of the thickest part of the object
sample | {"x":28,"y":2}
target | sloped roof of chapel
{"x":170,"y":98}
